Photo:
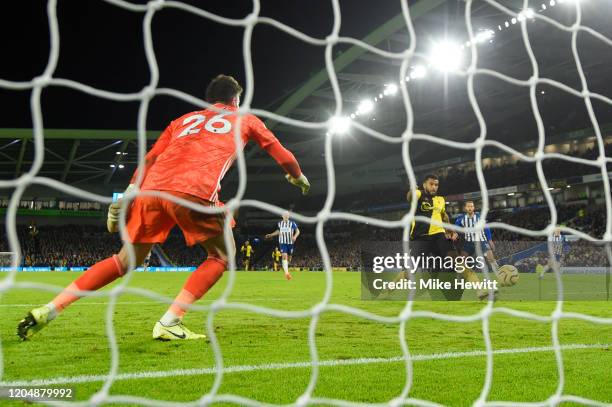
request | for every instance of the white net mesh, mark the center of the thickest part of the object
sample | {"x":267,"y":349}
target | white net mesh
{"x":47,"y":79}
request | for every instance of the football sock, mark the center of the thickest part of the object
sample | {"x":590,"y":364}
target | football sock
{"x":495,"y":267}
{"x":196,"y":286}
{"x":286,"y":266}
{"x":52,"y":311}
{"x":470,"y":275}
{"x":170,"y":318}
{"x":96,"y":277}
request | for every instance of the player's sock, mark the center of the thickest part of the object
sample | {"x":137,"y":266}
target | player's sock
{"x":470,"y":275}
{"x":495,"y":266}
{"x":286,"y":266}
{"x":170,"y":318}
{"x":176,"y":311}
{"x":52,"y":311}
{"x":96,"y":277}
{"x":197,"y":285}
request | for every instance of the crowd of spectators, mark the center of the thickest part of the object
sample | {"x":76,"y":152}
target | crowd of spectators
{"x":64,"y":245}
{"x":83,"y":245}
{"x":457,"y":181}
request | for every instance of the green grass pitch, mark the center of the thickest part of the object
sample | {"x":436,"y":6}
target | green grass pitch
{"x":271,"y":351}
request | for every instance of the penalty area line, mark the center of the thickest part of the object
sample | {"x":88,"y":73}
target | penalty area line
{"x":292,"y":365}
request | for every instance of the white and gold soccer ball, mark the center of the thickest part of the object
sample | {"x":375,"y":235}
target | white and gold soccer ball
{"x":507,"y":275}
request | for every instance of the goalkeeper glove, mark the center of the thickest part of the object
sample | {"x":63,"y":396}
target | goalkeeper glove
{"x":300,"y":182}
{"x":112,"y":217}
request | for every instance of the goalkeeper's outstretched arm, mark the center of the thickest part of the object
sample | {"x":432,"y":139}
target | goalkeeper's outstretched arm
{"x":267,"y":141}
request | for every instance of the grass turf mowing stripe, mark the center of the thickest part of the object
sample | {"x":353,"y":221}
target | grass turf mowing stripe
{"x":291,"y":365}
{"x":7,"y":305}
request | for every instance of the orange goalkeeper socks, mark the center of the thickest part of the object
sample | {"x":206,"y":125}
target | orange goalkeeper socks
{"x":198,"y":283}
{"x":96,"y":277}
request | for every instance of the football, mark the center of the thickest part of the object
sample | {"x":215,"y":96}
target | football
{"x":508,"y":275}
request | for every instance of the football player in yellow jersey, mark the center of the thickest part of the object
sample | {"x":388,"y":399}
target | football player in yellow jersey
{"x":276,"y":257}
{"x":433,"y":239}
{"x":247,"y":251}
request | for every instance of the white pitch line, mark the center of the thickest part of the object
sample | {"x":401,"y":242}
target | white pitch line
{"x":292,"y":365}
{"x":81,"y":304}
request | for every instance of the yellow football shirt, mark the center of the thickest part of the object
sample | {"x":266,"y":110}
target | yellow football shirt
{"x":432,"y":207}
{"x":247,"y":250}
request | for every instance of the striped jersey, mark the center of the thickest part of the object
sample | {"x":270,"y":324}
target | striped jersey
{"x":286,"y":228}
{"x":467,"y":221}
{"x":558,"y":243}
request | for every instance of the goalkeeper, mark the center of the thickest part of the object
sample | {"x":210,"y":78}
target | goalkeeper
{"x":188,"y":161}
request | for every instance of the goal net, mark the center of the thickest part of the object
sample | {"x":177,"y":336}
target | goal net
{"x":406,"y":58}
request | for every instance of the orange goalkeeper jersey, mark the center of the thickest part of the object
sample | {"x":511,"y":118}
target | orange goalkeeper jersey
{"x":195,"y":151}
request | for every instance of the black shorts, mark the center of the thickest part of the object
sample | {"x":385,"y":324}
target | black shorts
{"x":437,"y":245}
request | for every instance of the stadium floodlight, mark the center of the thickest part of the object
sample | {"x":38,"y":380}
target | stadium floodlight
{"x":484,"y":35}
{"x":339,"y":125}
{"x":418,"y":72}
{"x":446,"y":56}
{"x":352,"y":115}
{"x":507,"y":24}
{"x":510,"y":193}
{"x":552,"y":3}
{"x":366,"y":106}
{"x":118,"y":152}
{"x":121,"y":166}
{"x":526,"y":14}
{"x":112,"y":165}
{"x":390,"y":89}
{"x":513,"y":21}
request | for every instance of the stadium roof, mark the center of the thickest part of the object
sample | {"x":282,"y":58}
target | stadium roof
{"x":440,"y":103}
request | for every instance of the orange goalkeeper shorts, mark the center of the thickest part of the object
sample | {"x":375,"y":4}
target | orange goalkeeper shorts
{"x":151,"y":218}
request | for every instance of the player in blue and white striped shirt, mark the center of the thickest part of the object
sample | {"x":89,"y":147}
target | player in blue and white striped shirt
{"x":558,"y":242}
{"x":474,"y":238}
{"x":287,"y":232}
